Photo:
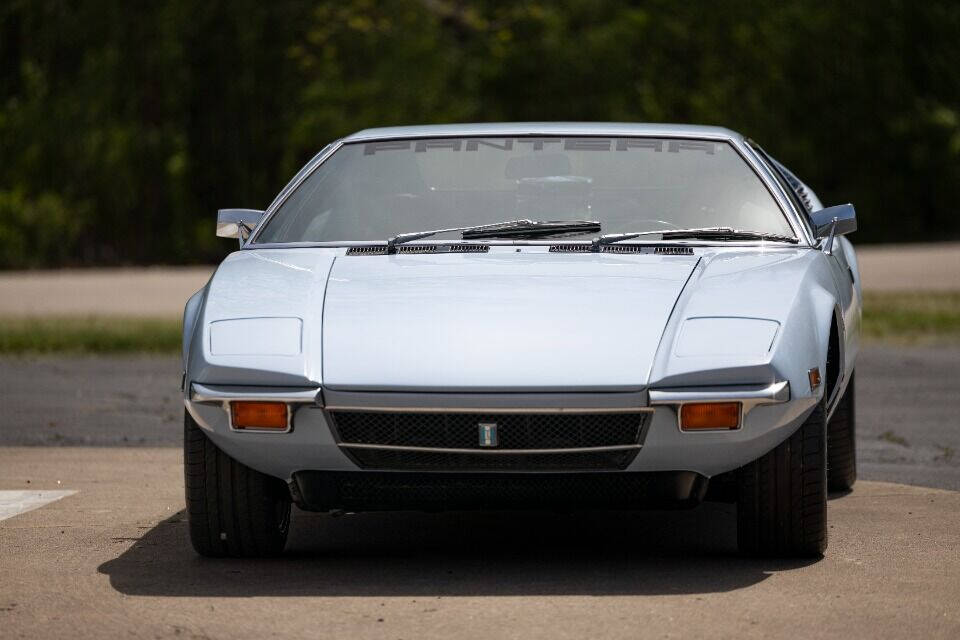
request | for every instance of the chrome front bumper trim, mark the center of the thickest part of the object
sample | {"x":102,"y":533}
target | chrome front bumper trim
{"x":226,"y":393}
{"x":567,"y":410}
{"x":748,"y":396}
{"x":393,"y":447}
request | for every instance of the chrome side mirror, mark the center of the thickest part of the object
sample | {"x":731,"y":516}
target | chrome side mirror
{"x":833,"y":221}
{"x":237,"y":223}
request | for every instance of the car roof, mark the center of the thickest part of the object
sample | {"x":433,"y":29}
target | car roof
{"x":546,"y":128}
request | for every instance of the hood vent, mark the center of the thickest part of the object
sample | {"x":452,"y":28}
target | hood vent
{"x":379,"y":250}
{"x":668,"y":250}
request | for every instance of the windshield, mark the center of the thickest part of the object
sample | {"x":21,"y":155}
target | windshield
{"x":376,"y":190}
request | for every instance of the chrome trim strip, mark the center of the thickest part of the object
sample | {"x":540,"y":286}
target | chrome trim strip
{"x":393,"y":447}
{"x":762,"y":171}
{"x":580,"y":410}
{"x":297,"y":180}
{"x":775,"y":393}
{"x":292,"y":395}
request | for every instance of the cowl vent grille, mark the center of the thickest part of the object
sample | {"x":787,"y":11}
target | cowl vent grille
{"x":379,"y":250}
{"x":368,"y":250}
{"x":569,"y":248}
{"x":469,"y":248}
{"x":674,"y":251}
{"x":622,"y":248}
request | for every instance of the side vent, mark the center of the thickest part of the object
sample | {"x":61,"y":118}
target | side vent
{"x":569,"y":248}
{"x":674,"y":251}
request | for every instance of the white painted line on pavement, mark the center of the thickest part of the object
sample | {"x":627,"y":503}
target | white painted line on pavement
{"x":13,"y":503}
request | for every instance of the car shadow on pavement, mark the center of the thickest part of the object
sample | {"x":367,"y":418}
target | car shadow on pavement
{"x":460,"y":554}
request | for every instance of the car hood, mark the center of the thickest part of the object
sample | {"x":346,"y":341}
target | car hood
{"x":498,"y":321}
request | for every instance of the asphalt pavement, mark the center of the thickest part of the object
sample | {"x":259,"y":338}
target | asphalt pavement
{"x":908,"y":408}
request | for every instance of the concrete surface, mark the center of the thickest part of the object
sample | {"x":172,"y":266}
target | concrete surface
{"x":113,"y":560}
{"x":162,"y":291}
{"x":150,"y":291}
{"x":910,"y":267}
{"x":909,"y":403}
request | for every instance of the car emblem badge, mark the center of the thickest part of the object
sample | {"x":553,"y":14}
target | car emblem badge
{"x":488,"y":434}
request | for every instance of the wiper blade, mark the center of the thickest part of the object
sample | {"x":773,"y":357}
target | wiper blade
{"x":531,"y":228}
{"x":712,"y":233}
{"x":613,"y":238}
{"x":508,"y":228}
{"x":724,"y":233}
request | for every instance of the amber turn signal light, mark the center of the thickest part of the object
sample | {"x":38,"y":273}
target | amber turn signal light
{"x":710,"y":415}
{"x":814,"y":376}
{"x":259,"y":415}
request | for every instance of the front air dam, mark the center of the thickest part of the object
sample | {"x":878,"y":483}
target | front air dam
{"x":416,"y":491}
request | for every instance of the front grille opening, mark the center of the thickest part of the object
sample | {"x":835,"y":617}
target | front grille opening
{"x":516,"y":432}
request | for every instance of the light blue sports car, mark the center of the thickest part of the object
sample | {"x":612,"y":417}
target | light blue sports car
{"x":530,"y":315}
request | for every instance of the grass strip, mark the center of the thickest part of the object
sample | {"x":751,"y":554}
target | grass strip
{"x":80,"y":334}
{"x":894,"y":317}
{"x":912,"y":317}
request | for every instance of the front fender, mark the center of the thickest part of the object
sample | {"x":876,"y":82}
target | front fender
{"x":792,"y":288}
{"x":191,"y":313}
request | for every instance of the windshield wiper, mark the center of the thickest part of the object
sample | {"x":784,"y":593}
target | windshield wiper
{"x":531,"y":228}
{"x":709,"y":233}
{"x":401,"y":238}
{"x":612,"y":238}
{"x":508,"y":229}
{"x":723,"y":233}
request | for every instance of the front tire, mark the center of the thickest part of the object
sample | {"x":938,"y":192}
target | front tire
{"x":782,"y":496}
{"x":232,"y":510}
{"x":842,"y":442}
